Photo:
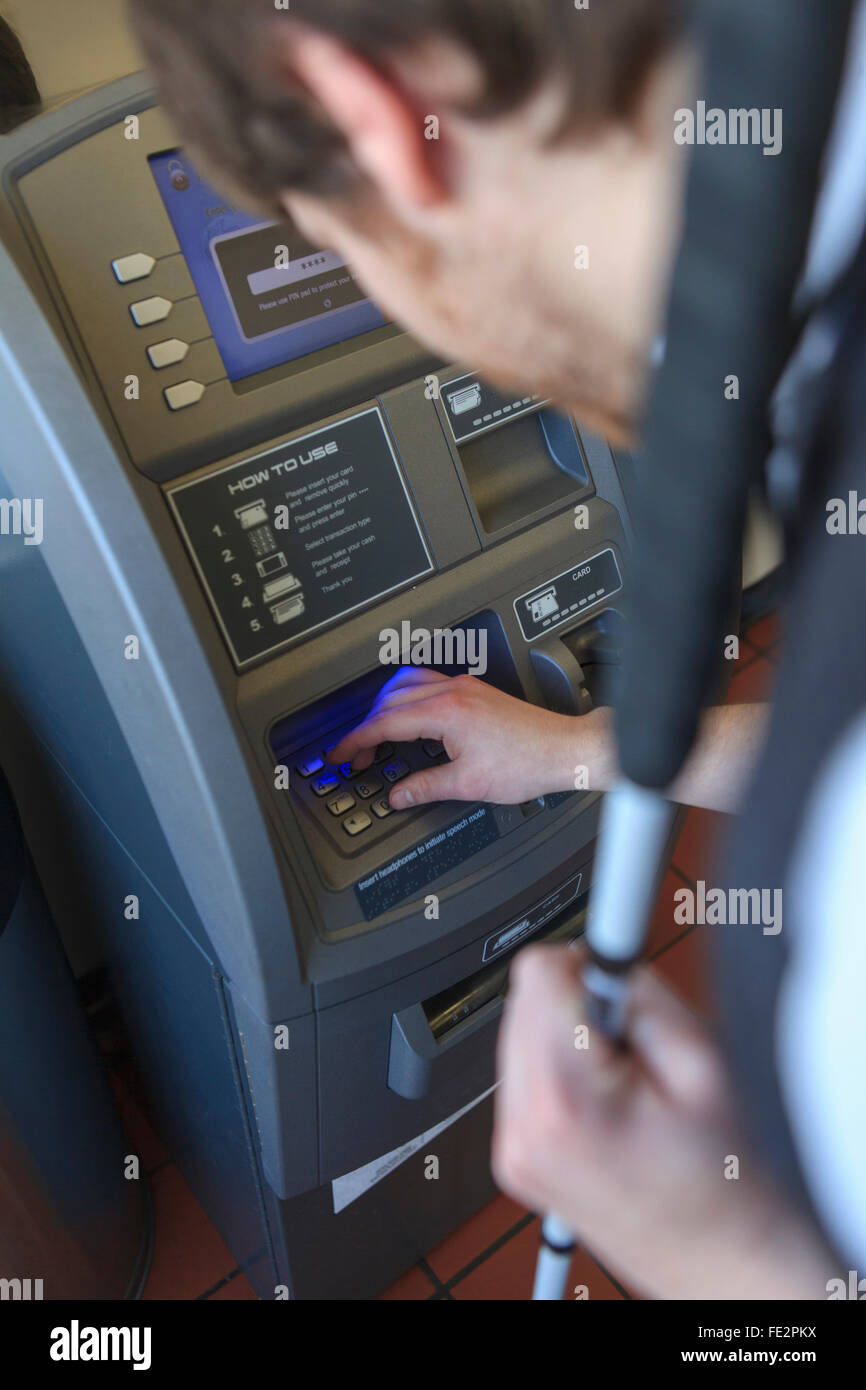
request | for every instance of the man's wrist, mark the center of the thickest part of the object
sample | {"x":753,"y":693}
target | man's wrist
{"x":584,"y":757}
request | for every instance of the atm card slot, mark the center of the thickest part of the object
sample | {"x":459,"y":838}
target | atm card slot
{"x":253,"y":514}
{"x":543,"y":605}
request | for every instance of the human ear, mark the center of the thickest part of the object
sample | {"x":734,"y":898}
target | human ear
{"x":383,"y":130}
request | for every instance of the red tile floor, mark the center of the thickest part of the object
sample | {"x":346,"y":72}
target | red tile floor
{"x":493,"y":1255}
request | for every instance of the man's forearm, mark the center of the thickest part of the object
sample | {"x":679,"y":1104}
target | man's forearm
{"x":718,"y":769}
{"x":723,"y":759}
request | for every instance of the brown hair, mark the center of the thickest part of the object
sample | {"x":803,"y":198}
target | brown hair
{"x":19,"y":94}
{"x":260,"y":133}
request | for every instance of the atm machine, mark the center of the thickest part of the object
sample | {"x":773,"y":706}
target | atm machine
{"x":224,"y":477}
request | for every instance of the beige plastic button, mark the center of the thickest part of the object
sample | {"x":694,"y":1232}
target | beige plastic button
{"x":129,"y":268}
{"x":167,"y":354}
{"x":357,"y":824}
{"x":185,"y":394}
{"x":148,"y":311}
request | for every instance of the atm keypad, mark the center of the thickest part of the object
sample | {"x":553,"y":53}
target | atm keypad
{"x":354,"y":806}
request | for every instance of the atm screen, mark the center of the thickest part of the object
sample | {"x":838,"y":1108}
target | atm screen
{"x":268,"y":295}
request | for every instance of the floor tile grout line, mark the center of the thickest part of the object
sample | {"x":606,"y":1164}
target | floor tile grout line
{"x":762,"y":648}
{"x":158,"y":1167}
{"x":769,"y":655}
{"x":755,"y":653}
{"x":431,"y":1274}
{"x":689,"y":882}
{"x":221,"y":1284}
{"x":673,"y":942}
{"x":751,"y":654}
{"x":490,"y":1251}
{"x":745,"y":663}
{"x":607,"y":1274}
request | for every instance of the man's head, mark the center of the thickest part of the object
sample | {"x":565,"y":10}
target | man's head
{"x":500,"y":174}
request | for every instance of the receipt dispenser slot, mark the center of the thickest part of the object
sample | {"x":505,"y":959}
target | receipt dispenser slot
{"x":429,"y":1041}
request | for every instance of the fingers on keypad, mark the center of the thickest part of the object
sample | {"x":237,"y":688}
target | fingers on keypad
{"x":352,"y":804}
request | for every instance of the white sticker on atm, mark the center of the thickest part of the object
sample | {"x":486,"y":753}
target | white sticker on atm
{"x":351,"y":1186}
{"x":508,"y":937}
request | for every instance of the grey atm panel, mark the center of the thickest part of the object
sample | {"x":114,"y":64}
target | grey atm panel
{"x":298,"y":1008}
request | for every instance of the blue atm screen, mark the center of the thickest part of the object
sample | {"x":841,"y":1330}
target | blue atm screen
{"x":268,"y":295}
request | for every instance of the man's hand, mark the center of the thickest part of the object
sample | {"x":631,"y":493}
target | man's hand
{"x":507,"y":751}
{"x":634,"y":1148}
{"x":502,"y":750}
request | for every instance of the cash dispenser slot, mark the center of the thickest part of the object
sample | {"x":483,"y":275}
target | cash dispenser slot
{"x":426,"y":1038}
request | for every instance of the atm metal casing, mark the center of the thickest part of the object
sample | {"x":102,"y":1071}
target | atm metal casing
{"x":282,"y":1036}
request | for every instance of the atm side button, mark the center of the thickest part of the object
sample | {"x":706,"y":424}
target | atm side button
{"x":185,"y":394}
{"x":341,"y":804}
{"x":135,"y":267}
{"x":357,"y":824}
{"x":148,"y":311}
{"x":167,"y":354}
